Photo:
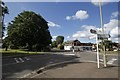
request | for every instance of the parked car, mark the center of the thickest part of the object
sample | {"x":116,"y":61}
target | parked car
{"x":116,"y":49}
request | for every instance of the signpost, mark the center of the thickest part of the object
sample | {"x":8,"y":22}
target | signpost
{"x":98,"y":61}
{"x":100,"y":37}
{"x":95,"y":32}
{"x":103,"y":36}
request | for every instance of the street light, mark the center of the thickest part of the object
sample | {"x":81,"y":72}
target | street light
{"x":101,"y":21}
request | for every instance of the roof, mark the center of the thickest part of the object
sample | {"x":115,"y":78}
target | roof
{"x":72,"y":41}
{"x":77,"y":43}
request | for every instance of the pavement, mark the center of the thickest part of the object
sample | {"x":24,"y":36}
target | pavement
{"x":77,"y":70}
{"x":83,"y":67}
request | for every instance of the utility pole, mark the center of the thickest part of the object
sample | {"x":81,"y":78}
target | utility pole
{"x":101,"y":21}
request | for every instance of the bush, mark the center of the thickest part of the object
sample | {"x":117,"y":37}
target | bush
{"x":14,"y":47}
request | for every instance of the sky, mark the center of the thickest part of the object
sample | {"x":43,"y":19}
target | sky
{"x":73,"y":20}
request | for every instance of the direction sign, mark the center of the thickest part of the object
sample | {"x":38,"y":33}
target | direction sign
{"x":93,"y":31}
{"x":103,"y":36}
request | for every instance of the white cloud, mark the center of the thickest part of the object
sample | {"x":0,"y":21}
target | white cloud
{"x":80,"y":14}
{"x":115,"y":32}
{"x":111,"y":25}
{"x":85,"y":33}
{"x":115,"y":14}
{"x":52,"y":24}
{"x":110,"y":28}
{"x":86,"y":27}
{"x":80,"y":34}
{"x":68,"y":17}
{"x":115,"y":39}
{"x":68,"y":37}
{"x":54,"y":38}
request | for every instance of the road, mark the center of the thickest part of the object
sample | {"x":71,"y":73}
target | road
{"x":18,"y":66}
{"x":91,"y":57}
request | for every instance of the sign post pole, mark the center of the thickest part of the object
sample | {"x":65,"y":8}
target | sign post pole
{"x":98,"y":63}
{"x":97,"y":36}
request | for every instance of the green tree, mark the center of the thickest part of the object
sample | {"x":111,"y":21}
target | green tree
{"x":60,"y":46}
{"x":4,"y":10}
{"x":5,"y":43}
{"x":53,"y":44}
{"x":29,"y":30}
{"x":107,"y":43}
{"x":59,"y":39}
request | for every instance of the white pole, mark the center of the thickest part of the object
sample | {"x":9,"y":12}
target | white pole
{"x":73,"y":48}
{"x":101,"y":17}
{"x":98,"y":63}
{"x":101,"y":20}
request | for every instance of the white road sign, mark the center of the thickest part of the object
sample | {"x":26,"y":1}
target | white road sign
{"x":103,"y":36}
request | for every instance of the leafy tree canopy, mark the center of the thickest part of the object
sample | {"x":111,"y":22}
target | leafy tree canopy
{"x":29,"y":30}
{"x":59,"y":39}
{"x":53,"y":44}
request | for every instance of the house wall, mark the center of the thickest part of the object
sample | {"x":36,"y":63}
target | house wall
{"x":80,"y":48}
{"x":67,"y":47}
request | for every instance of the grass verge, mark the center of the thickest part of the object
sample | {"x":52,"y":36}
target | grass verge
{"x":18,"y":52}
{"x":111,"y":52}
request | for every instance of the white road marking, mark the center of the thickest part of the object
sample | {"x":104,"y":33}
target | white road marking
{"x":111,"y":61}
{"x":27,"y":58}
{"x":69,"y":54}
{"x":21,"y":59}
{"x":17,"y":61}
{"x":114,"y":59}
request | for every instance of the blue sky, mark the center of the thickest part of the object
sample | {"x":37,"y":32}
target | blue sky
{"x":73,"y":20}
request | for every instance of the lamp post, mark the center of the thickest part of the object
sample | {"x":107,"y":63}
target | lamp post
{"x":101,"y":21}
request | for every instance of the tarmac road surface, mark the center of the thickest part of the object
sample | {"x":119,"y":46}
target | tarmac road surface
{"x":18,"y":66}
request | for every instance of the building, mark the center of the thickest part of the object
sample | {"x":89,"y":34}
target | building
{"x":77,"y":45}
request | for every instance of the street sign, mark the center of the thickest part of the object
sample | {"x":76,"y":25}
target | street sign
{"x":103,"y":36}
{"x":93,"y":31}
